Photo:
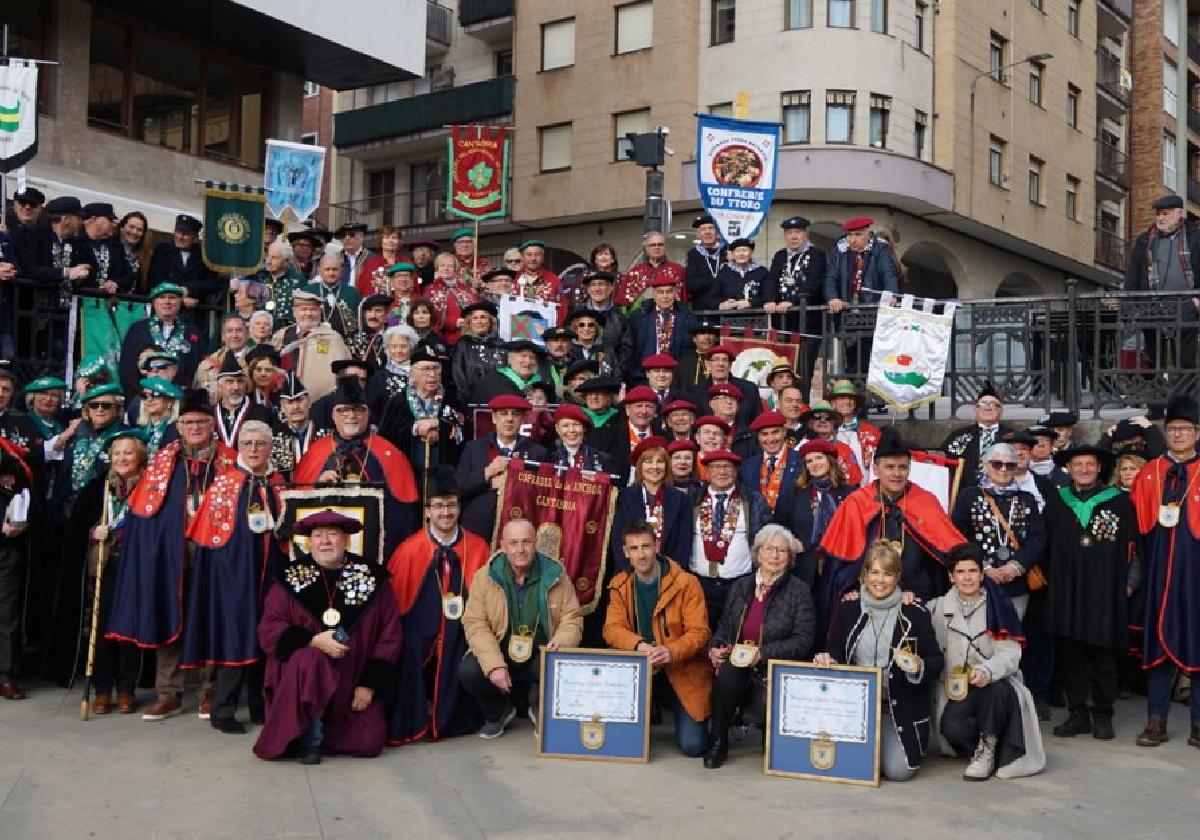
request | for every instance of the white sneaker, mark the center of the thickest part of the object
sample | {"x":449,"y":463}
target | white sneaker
{"x":981,"y":764}
{"x":533,"y":720}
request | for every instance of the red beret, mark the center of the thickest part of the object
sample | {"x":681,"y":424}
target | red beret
{"x":712,"y":420}
{"x":857,"y":223}
{"x":509,"y":401}
{"x":768,"y":420}
{"x":725,"y":389}
{"x":678,"y":405}
{"x":326,"y":519}
{"x":721,"y":455}
{"x":818,"y":445}
{"x":661,"y":280}
{"x":644,"y":446}
{"x":684,"y":445}
{"x":642,"y":393}
{"x":568,"y":411}
{"x":720,"y":348}
{"x":659,"y":360}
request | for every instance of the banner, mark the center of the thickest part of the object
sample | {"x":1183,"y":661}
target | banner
{"x":364,"y":504}
{"x":526,"y":318}
{"x":910,"y":351}
{"x":757,"y":351}
{"x":234,"y":220}
{"x":477,"y":179}
{"x":293,"y":176}
{"x":735,"y":168}
{"x":103,"y":324}
{"x":572,"y":511}
{"x":18,"y":113}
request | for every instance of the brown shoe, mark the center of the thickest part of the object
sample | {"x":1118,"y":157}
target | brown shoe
{"x":126,"y":704}
{"x":164,"y":707}
{"x":102,"y":705}
{"x":205,"y":707}
{"x":1155,"y":732}
{"x":9,"y":689}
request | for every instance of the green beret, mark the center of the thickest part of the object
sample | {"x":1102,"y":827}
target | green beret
{"x":89,"y":370}
{"x":162,"y":387}
{"x":530,"y":243}
{"x":112,"y":388}
{"x":132,"y":432}
{"x":460,"y":233}
{"x":167,"y":289}
{"x":46,"y":383}
{"x":400,"y":266}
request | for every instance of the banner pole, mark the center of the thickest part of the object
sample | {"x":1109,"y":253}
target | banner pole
{"x":475,"y":252}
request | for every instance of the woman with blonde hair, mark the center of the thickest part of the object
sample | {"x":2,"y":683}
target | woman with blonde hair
{"x":157,"y":412}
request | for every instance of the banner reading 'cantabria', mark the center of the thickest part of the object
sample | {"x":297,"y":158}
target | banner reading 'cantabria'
{"x":477,"y":183}
{"x":910,"y":350}
{"x":18,"y":113}
{"x":234,"y":218}
{"x":293,"y":176}
{"x":735,"y":168}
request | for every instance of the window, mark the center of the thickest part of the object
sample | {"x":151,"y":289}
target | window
{"x":841,"y":14}
{"x":721,"y":109}
{"x":637,"y":122}
{"x":1170,"y":86}
{"x":996,"y":57}
{"x":1072,"y":106}
{"x":166,"y":92}
{"x":1072,"y":198}
{"x":426,"y":192}
{"x":1035,"y":180}
{"x":309,"y":138}
{"x":1035,"y":84}
{"x":106,"y":78}
{"x":879,"y":14}
{"x":920,"y":128}
{"x":839,"y":116}
{"x":722,"y":22}
{"x":797,"y":116}
{"x":381,"y":194}
{"x":558,"y":44}
{"x":996,"y":161}
{"x":1037,"y":4}
{"x":311,"y":89}
{"x":635,"y":26}
{"x":1171,"y":22}
{"x":1170,"y":180}
{"x":881,"y":107}
{"x":1073,"y":18}
{"x":799,"y":14}
{"x":555,"y":144}
{"x":919,"y":27}
{"x":504,"y":66}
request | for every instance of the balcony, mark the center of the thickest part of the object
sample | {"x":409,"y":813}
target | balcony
{"x":490,"y":21}
{"x":1112,"y":164}
{"x":1108,"y":77}
{"x":1194,"y":119}
{"x":1193,"y":191}
{"x":1123,"y":8}
{"x":1110,"y":250}
{"x":439,"y":29}
{"x":1193,"y":49}
{"x":428,"y":112}
{"x":409,"y":210}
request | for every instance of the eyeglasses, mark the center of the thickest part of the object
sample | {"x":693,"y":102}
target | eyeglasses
{"x":656,"y":244}
{"x":253,"y":444}
{"x":443,"y":505}
{"x":586,"y":325}
{"x":152,"y":395}
{"x":775,"y":549}
{"x":513,"y":260}
{"x":988,"y":404}
{"x":104,"y":406}
{"x":1002,"y":465}
{"x":350,"y":409}
{"x":1180,"y":430}
{"x":823,"y":418}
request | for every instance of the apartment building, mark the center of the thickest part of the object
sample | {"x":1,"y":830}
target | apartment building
{"x":989,"y":139}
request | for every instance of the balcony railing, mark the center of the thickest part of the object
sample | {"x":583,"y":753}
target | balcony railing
{"x":427,"y":112}
{"x":471,"y":12}
{"x":439,"y":23}
{"x":1193,"y":191}
{"x":1193,"y":49}
{"x":409,"y":210}
{"x":1108,"y":76}
{"x":1110,"y":250}
{"x":1124,"y":8}
{"x":1194,"y":118}
{"x":1112,"y":163}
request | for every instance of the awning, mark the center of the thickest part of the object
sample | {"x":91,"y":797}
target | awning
{"x":160,"y":208}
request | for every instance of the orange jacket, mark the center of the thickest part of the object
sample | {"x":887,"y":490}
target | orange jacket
{"x":680,"y":623}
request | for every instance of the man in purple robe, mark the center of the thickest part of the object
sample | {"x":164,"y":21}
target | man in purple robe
{"x":331,"y":633}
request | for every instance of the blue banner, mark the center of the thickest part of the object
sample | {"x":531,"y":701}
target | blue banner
{"x":735,"y":170}
{"x":293,"y":177}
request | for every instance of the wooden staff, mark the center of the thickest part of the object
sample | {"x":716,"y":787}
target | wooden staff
{"x":425,"y":479}
{"x":475,"y":255}
{"x":101,"y":559}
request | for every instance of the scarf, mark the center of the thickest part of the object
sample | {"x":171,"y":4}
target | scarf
{"x":824,"y":506}
{"x":970,"y":609}
{"x":1185,"y":257}
{"x":599,"y":418}
{"x":515,"y":378}
{"x":177,"y":343}
{"x":881,"y":614}
{"x":1084,"y":508}
{"x":49,"y":429}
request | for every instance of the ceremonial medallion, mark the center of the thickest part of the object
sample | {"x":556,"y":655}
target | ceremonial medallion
{"x":193,"y":505}
{"x":591,"y":733}
{"x":1002,"y":554}
{"x":452,"y":606}
{"x":331,"y":617}
{"x":258,"y":519}
{"x":958,"y":683}
{"x":269,"y":306}
{"x":1168,"y":516}
{"x":352,"y":478}
{"x":1086,"y":541}
{"x":822,"y":752}
{"x":322,"y":347}
{"x":743,"y":655}
{"x":520,"y":646}
{"x":906,"y":660}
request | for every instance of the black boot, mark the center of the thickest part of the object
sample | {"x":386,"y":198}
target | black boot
{"x":1079,"y":723}
{"x":718,"y":751}
{"x":227,"y":725}
{"x":1102,"y":728}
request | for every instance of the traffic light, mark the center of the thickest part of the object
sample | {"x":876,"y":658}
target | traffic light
{"x":646,"y":149}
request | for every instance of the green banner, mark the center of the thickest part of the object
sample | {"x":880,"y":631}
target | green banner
{"x":103,"y":327}
{"x":233,"y":230}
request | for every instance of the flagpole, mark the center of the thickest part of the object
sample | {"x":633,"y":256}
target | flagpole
{"x":4,"y":173}
{"x":475,"y":239}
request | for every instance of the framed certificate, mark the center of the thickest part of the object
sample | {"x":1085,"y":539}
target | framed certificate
{"x":823,"y":723}
{"x":594,"y":704}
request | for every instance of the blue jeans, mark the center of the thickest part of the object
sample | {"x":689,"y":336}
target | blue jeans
{"x":691,"y":735}
{"x":1158,"y":692}
{"x":314,"y":734}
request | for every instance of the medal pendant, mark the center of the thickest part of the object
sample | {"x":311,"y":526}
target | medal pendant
{"x":193,"y":504}
{"x":520,"y":647}
{"x":1086,"y":541}
{"x":906,"y":660}
{"x":269,"y":306}
{"x":1002,"y":554}
{"x":452,"y":606}
{"x":352,"y":478}
{"x":591,"y":733}
{"x":1168,"y":516}
{"x":258,"y":519}
{"x":331,"y":617}
{"x":743,"y":655}
{"x":822,"y":752}
{"x":322,"y":347}
{"x":958,"y":683}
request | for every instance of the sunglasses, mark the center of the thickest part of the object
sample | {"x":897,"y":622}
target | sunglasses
{"x":823,"y":418}
{"x":589,"y":325}
{"x":106,"y":406}
{"x":514,"y":260}
{"x":159,"y":365}
{"x":1006,"y":466}
{"x":152,"y":395}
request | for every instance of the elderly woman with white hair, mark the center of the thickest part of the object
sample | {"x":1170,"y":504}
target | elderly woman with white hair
{"x":1005,"y":523}
{"x":768,"y":615}
{"x":399,"y":341}
{"x":261,"y":326}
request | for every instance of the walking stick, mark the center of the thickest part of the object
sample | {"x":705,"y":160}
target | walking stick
{"x":101,"y":559}
{"x":425,"y":477}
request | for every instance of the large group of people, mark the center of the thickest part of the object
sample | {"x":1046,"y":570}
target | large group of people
{"x":141,"y":537}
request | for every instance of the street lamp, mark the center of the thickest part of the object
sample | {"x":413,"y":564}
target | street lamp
{"x":998,"y":74}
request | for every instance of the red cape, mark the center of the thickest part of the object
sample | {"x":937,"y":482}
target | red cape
{"x":20,"y":453}
{"x":1147,"y":492}
{"x":215,"y":520}
{"x":396,"y":469}
{"x":410,"y":563}
{"x":924,"y":521}
{"x":147,"y":497}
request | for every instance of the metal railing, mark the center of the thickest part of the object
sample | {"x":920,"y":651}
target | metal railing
{"x":1193,"y":190}
{"x":1108,"y":76}
{"x":1110,"y":249}
{"x":1194,"y":118}
{"x":1112,"y":163}
{"x":1122,"y":7}
{"x":471,"y":12}
{"x":1194,"y":49}
{"x":415,"y":209}
{"x":439,"y":23}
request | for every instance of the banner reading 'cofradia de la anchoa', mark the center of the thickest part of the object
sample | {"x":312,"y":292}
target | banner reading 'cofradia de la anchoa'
{"x":735,"y":167}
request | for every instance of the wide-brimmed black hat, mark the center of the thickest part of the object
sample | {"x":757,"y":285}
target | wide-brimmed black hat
{"x":1104,"y":456}
{"x":1183,"y":407}
{"x":890,"y":443}
{"x":349,"y":392}
{"x":441,"y":482}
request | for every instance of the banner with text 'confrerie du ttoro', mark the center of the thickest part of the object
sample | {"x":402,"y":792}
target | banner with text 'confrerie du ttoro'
{"x":735,"y":168}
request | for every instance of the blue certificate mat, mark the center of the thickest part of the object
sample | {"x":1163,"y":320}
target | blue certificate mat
{"x":823,"y":723}
{"x":594,"y":704}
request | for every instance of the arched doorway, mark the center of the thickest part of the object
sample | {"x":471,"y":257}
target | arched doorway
{"x":1017,"y":284}
{"x":930,"y":271}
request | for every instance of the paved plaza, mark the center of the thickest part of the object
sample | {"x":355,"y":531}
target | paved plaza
{"x":121,"y":777}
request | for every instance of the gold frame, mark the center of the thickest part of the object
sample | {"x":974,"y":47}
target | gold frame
{"x":878,"y":675}
{"x":541,"y":705}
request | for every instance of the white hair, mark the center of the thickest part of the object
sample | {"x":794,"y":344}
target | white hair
{"x":768,"y":533}
{"x":402,"y":331}
{"x":255,"y":426}
{"x":282,"y":245}
{"x":262,"y":313}
{"x":331,"y":258}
